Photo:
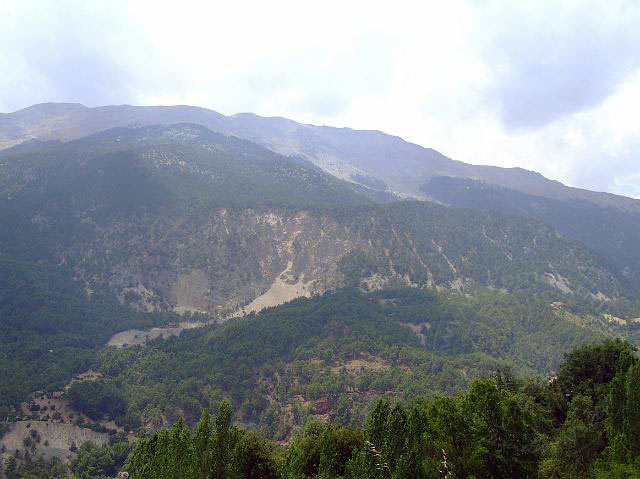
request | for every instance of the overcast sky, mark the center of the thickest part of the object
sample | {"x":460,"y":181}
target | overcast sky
{"x":548,"y":86}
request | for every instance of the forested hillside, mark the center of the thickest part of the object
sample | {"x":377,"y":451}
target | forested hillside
{"x":583,"y":424}
{"x":50,"y":329}
{"x":404,"y":301}
{"x":332,"y":356}
{"x":611,"y":233}
{"x":182,"y":218}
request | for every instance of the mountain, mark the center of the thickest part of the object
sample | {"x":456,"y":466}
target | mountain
{"x":611,"y":233}
{"x":370,"y":157}
{"x":380,"y":166}
{"x":178,"y":217}
{"x":147,"y":225}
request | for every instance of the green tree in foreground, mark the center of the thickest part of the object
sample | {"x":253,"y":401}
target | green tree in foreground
{"x":584,"y":425}
{"x":216,"y":450}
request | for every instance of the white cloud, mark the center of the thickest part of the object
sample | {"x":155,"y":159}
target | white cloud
{"x":550,"y":59}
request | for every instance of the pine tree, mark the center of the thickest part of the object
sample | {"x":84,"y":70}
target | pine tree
{"x":328,"y":467}
{"x":395,"y":436}
{"x":10,"y":467}
{"x":409,"y":465}
{"x":375,"y":438}
{"x":377,"y":423}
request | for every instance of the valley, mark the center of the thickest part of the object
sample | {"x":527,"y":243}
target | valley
{"x":330,"y":240}
{"x":186,"y":268}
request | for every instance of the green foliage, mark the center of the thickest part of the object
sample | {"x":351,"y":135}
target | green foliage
{"x":216,"y":450}
{"x":255,"y":458}
{"x":50,"y":329}
{"x":320,"y":450}
{"x":294,"y":354}
{"x":100,"y":461}
{"x":612,"y":233}
{"x":97,"y":398}
{"x":426,"y":243}
{"x":500,"y":427}
{"x":115,"y":173}
{"x":30,"y":468}
{"x":588,"y":370}
{"x":590,"y":433}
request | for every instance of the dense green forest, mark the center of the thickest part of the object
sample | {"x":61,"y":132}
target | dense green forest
{"x":611,"y":233}
{"x":329,"y":355}
{"x":50,"y":329}
{"x":585,"y":423}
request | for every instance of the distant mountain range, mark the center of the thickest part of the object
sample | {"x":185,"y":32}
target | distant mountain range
{"x":380,"y":165}
{"x":370,"y":157}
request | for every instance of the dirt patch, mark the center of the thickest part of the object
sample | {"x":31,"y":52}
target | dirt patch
{"x":89,"y":375}
{"x":614,"y":319}
{"x":138,"y":337}
{"x":191,"y":292}
{"x":558,"y":281}
{"x":418,"y":329}
{"x":282,"y":290}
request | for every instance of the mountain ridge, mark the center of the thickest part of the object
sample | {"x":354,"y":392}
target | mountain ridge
{"x":181,"y":217}
{"x":344,"y":152}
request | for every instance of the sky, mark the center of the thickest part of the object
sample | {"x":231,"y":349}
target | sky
{"x":550,"y":86}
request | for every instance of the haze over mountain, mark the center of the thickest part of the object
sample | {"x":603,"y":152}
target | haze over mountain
{"x":373,"y":158}
{"x":196,"y":220}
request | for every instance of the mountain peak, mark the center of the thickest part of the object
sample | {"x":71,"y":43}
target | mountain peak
{"x":51,"y":108}
{"x":401,"y":167}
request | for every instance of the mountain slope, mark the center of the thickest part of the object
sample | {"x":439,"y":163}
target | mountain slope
{"x":377,"y":165}
{"x":370,"y":157}
{"x":332,"y":355}
{"x":611,"y":233}
{"x":182,"y":218}
{"x":51,"y":329}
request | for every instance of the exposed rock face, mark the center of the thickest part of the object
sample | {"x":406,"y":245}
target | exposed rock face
{"x":218,"y":263}
{"x":189,"y":291}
